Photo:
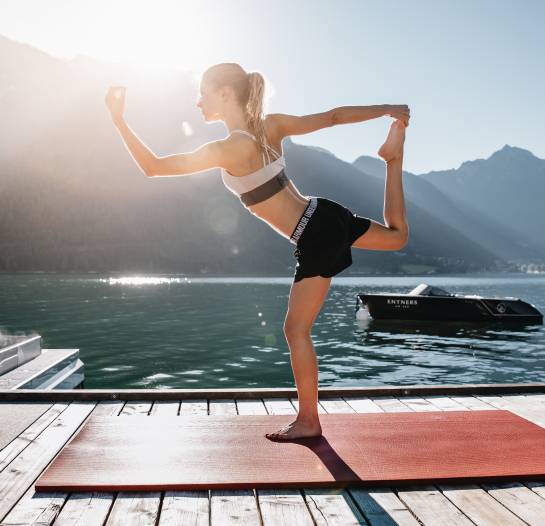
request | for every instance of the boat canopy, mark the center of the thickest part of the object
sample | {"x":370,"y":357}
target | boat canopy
{"x":427,"y":290}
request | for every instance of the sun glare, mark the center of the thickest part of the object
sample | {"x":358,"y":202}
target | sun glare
{"x":145,"y":280}
{"x":162,"y":34}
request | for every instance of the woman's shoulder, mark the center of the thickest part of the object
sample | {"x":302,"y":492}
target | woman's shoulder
{"x":271,"y":122}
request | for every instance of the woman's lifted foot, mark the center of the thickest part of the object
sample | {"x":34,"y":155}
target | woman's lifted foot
{"x":297,"y":429}
{"x":393,"y":147}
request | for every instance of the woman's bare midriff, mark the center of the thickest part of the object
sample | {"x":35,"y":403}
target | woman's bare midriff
{"x":281,"y":211}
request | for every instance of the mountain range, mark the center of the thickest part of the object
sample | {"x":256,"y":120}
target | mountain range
{"x":72,"y":199}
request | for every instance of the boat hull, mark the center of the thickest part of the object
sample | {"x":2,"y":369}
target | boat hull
{"x":408,"y":307}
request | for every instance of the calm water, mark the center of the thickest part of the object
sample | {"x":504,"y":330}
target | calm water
{"x":181,"y":332}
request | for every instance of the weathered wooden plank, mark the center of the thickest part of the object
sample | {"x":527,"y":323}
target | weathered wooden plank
{"x":136,"y":407}
{"x":531,"y":402}
{"x":194,"y":407}
{"x":390,"y":403}
{"x":22,"y":471}
{"x":382,"y":507}
{"x":479,"y":506}
{"x":251,"y":407}
{"x":17,"y":445}
{"x":336,"y":405}
{"x":527,"y":411}
{"x":284,"y":507}
{"x":362,"y":405}
{"x":165,"y":408}
{"x":86,"y":509}
{"x":135,"y":508}
{"x":519,"y":499}
{"x":35,"y":509}
{"x":446,"y":403}
{"x":333,"y":506}
{"x":417,"y":403}
{"x":470,"y":402}
{"x":537,"y":486}
{"x":295,"y":403}
{"x":108,"y":408}
{"x":432,"y":507}
{"x":42,"y":508}
{"x":279,"y":406}
{"x":233,"y":507}
{"x":222,"y":407}
{"x":536,"y":396}
{"x":185,"y":507}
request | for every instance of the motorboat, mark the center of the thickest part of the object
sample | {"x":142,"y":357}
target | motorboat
{"x":426,"y":302}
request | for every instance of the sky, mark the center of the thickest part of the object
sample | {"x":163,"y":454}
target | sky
{"x":472,"y":72}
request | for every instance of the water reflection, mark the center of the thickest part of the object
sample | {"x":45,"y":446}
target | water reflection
{"x":451,"y":352}
{"x":511,"y":330}
{"x":148,"y":332}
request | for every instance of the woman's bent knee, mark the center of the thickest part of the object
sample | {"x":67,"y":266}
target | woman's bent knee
{"x":296,"y":330}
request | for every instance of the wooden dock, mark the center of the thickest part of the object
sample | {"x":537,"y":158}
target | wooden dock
{"x":516,"y":502}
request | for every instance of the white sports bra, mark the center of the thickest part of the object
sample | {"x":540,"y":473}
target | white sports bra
{"x":261,"y":184}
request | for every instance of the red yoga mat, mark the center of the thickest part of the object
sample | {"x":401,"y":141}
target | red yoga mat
{"x":146,"y":453}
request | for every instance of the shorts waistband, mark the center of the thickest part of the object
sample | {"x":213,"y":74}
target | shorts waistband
{"x":305,"y":217}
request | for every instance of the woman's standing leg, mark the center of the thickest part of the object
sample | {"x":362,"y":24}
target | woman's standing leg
{"x":306,"y":299}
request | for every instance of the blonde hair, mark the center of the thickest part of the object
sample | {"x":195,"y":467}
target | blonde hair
{"x":249,"y":90}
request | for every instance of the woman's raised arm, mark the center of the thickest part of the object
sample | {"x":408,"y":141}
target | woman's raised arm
{"x":144,"y":157}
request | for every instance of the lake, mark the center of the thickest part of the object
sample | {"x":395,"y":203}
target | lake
{"x":187,"y":332}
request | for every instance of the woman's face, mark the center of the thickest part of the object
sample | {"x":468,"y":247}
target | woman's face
{"x":209,"y":102}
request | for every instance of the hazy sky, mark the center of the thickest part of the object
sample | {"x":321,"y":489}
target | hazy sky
{"x":472,"y":72}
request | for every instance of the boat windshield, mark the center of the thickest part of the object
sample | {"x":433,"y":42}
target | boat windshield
{"x":427,"y":290}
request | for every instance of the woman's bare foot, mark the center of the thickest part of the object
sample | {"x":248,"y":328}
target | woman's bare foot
{"x":393,"y":147}
{"x":297,"y":429}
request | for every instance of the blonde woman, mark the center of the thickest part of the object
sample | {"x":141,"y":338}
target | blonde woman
{"x":252,"y":167}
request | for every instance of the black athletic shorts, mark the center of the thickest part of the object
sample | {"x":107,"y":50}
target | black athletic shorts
{"x":324,"y":236}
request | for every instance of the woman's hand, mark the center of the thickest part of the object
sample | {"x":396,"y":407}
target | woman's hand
{"x":115,"y":100}
{"x":399,"y":111}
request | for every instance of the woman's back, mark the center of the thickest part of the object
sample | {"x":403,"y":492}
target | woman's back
{"x":240,"y":184}
{"x":267,"y":148}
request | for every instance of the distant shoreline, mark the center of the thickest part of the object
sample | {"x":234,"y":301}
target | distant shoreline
{"x":211,"y":275}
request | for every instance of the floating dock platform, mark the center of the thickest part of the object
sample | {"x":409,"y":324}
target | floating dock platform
{"x":25,"y":457}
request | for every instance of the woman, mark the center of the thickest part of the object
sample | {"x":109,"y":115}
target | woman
{"x":322,"y":230}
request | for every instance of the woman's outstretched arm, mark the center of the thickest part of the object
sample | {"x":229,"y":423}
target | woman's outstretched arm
{"x":144,"y":157}
{"x":211,"y":155}
{"x":300,"y":124}
{"x":348,"y":114}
